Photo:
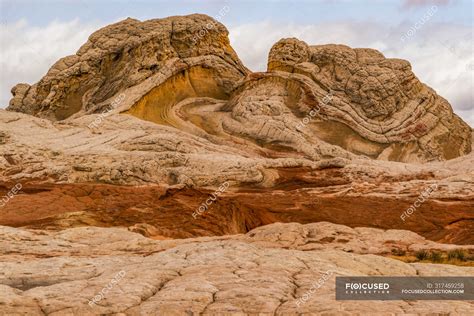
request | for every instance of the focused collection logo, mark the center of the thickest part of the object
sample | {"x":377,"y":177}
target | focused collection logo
{"x":367,"y":288}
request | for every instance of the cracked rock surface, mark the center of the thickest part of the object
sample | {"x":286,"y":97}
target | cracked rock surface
{"x":265,"y":271}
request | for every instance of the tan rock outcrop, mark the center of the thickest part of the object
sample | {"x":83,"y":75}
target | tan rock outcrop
{"x":130,"y":58}
{"x":316,"y":102}
{"x":153,"y":158}
{"x":184,"y":115}
{"x":378,"y":107}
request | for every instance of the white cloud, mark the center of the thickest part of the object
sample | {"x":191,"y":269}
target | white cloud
{"x":439,"y":54}
{"x":27,"y":52}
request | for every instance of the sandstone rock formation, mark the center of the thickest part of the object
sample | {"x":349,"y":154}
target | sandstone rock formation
{"x":315,"y":101}
{"x":176,"y":172}
{"x":134,"y":58}
{"x":182,"y":111}
{"x":305,"y":196}
{"x":266,"y":271}
{"x":134,"y":134}
{"x":378,"y":107}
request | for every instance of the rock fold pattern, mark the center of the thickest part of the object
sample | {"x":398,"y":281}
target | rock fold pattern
{"x":317,"y":102}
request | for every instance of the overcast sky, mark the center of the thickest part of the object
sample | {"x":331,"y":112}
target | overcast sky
{"x":436,"y":36}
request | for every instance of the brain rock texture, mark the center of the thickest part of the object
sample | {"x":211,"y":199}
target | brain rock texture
{"x":313,"y":102}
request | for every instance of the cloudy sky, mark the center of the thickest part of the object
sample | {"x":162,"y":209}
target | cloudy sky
{"x":436,"y":36}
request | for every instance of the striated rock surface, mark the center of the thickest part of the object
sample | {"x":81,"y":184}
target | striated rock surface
{"x":378,"y":107}
{"x":74,"y":176}
{"x":131,"y":58}
{"x":316,"y":102}
{"x":266,"y":271}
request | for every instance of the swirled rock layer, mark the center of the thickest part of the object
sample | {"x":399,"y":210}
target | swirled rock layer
{"x":314,"y":102}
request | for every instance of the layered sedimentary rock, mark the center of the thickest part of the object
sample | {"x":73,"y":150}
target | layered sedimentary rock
{"x":315,"y":101}
{"x":136,"y":132}
{"x":378,"y":107}
{"x":183,"y":114}
{"x":271,"y":270}
{"x":73,"y":176}
{"x":445,"y":216}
